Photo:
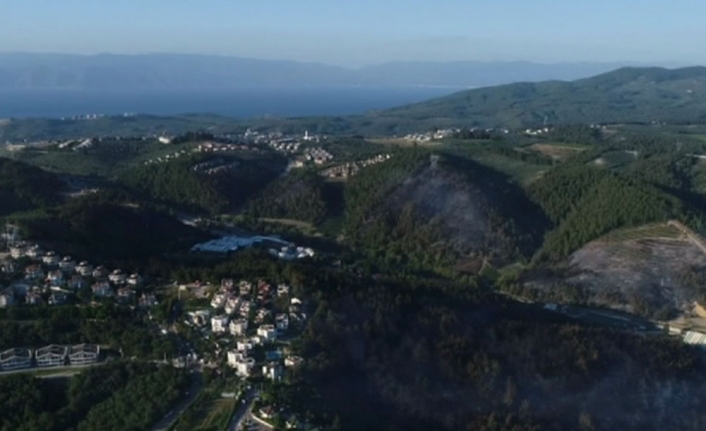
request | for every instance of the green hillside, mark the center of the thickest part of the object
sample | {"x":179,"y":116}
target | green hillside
{"x":24,"y":187}
{"x":629,"y":95}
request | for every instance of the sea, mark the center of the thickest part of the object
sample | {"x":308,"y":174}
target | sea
{"x":243,"y":103}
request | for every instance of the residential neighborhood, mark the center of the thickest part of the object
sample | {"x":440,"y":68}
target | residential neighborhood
{"x":41,"y":277}
{"x":49,"y":356}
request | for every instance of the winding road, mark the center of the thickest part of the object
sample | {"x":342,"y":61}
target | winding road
{"x":171,"y":417}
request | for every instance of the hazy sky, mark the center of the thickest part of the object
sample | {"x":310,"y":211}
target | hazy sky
{"x":357,"y":32}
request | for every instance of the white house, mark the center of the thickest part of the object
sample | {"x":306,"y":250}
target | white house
{"x":100,"y":272}
{"x":15,"y":359}
{"x":234,"y":357}
{"x":232,"y":305}
{"x":117,"y":277}
{"x":125,"y":293}
{"x":82,"y":354}
{"x":7,"y":298}
{"x":238,"y":327}
{"x":67,"y":264}
{"x":77,"y":282}
{"x":219,"y":324}
{"x":34,"y":272}
{"x":245,"y":366}
{"x":147,"y":300}
{"x":51,"y":356}
{"x":134,"y":280}
{"x":102,"y":289}
{"x":34,"y":252}
{"x":272,"y":371}
{"x":219,"y":300}
{"x":282,"y":290}
{"x":293,"y":361}
{"x":50,"y":258}
{"x":244,"y":346}
{"x":267,"y":332}
{"x":84,"y":269}
{"x":18,"y":251}
{"x":282,"y":322}
{"x":245,"y":287}
{"x":56,"y":278}
{"x":199,"y":317}
{"x":33,"y":298}
{"x":58,"y":298}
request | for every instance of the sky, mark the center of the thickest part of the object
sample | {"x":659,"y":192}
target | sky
{"x":361,"y":32}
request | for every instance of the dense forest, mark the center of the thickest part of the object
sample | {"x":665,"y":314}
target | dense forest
{"x":393,"y":355}
{"x":24,"y":187}
{"x":117,"y":397}
{"x":110,"y":225}
{"x":119,"y":328}
{"x":587,"y":202}
{"x":180,"y":183}
{"x":298,"y":196}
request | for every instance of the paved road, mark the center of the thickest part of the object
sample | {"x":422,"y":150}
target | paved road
{"x":174,"y":414}
{"x":244,"y":413}
{"x":52,"y":371}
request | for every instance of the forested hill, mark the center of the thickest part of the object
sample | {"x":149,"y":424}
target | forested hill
{"x":24,"y":187}
{"x":435,"y":211}
{"x":628,"y":95}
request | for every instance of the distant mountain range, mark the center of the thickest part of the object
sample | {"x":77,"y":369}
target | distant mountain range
{"x":630,"y":95}
{"x":21,"y":71}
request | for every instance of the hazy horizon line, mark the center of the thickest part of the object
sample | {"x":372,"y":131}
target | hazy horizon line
{"x":622,"y":63}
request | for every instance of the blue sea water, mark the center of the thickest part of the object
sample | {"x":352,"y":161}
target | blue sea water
{"x":247,"y":103}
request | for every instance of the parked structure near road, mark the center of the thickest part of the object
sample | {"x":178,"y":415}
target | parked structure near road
{"x":51,"y":356}
{"x":83,"y":354}
{"x":15,"y":359}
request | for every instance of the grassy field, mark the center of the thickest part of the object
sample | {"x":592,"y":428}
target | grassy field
{"x":656,"y":230}
{"x":208,"y":412}
{"x":615,"y":160}
{"x":522,"y":172}
{"x":558,"y":151}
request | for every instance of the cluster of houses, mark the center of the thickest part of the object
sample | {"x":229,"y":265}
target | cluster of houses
{"x":49,"y":356}
{"x":350,"y":169}
{"x":50,"y":278}
{"x":317,"y":156}
{"x":214,"y":166}
{"x":431,"y":136}
{"x":167,"y":157}
{"x":291,"y":252}
{"x":538,"y":132}
{"x":287,"y":146}
{"x":214,"y":147}
{"x":253,"y":317}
